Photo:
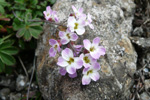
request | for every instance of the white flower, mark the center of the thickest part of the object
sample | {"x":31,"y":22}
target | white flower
{"x":91,"y":73}
{"x":67,"y":36}
{"x":76,"y":25}
{"x":95,"y":50}
{"x":87,"y":60}
{"x":69,"y":62}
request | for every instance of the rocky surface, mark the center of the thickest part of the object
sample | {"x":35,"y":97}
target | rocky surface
{"x":113,"y":24}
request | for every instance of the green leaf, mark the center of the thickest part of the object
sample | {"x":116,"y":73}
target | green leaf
{"x":44,"y":3}
{"x":6,"y":44}
{"x":2,"y":66}
{"x":17,"y":24}
{"x":20,"y":1}
{"x":34,"y":2}
{"x":20,"y":32}
{"x":7,"y":59}
{"x":27,"y":35}
{"x":2,"y":9}
{"x":3,"y":3}
{"x":10,"y":51}
{"x":27,"y":17}
{"x":52,"y":1}
{"x":1,"y":41}
{"x":35,"y":31}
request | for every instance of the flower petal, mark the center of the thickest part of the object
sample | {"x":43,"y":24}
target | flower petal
{"x":78,"y":63}
{"x":74,"y":9}
{"x":52,"y":42}
{"x":71,"y":21}
{"x":80,"y":30}
{"x":95,"y":54}
{"x":52,"y":52}
{"x":62,"y":34}
{"x":86,"y":65}
{"x":87,"y":44}
{"x":91,"y":26}
{"x":71,"y":69}
{"x":95,"y":76}
{"x":80,"y":10}
{"x":44,"y":12}
{"x":48,"y":9}
{"x":86,"y":80}
{"x":56,"y":19}
{"x":58,"y":48}
{"x":85,"y":70}
{"x":74,"y":37}
{"x":89,"y":18}
{"x":62,"y":62}
{"x":96,"y":66}
{"x":102,"y":50}
{"x":62,"y":71}
{"x":78,"y":48}
{"x":96,"y":41}
{"x":64,"y":41}
{"x":73,"y":75}
{"x":67,"y":53}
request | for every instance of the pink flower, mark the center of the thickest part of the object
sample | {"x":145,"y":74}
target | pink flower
{"x":87,"y":60}
{"x":50,"y":14}
{"x":55,"y":47}
{"x":67,"y":36}
{"x":69,"y":62}
{"x":76,"y":25}
{"x":95,"y":50}
{"x":78,"y":49}
{"x":88,"y":21}
{"x":91,"y":73}
{"x":79,"y":12}
{"x":63,"y":73}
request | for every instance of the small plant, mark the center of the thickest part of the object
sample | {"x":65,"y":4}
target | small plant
{"x":6,"y":52}
{"x":23,"y":20}
{"x":74,"y":57}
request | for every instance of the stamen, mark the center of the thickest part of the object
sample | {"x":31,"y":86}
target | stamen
{"x":71,"y":60}
{"x":86,"y":59}
{"x":92,"y":49}
{"x":68,"y":36}
{"x":90,"y":71}
{"x":76,"y":26}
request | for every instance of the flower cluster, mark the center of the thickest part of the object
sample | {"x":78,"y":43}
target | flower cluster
{"x":50,"y":15}
{"x":75,"y":57}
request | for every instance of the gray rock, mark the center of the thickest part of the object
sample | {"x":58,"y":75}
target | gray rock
{"x":14,"y":96}
{"x":7,"y":81}
{"x":138,"y":31}
{"x":21,"y":82}
{"x":113,"y":27}
{"x":4,"y":93}
{"x":145,"y":96}
{"x":142,"y":42}
{"x":147,"y":84}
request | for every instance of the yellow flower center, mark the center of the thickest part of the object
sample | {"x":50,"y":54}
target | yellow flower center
{"x":48,"y":14}
{"x":86,"y":59}
{"x":55,"y":46}
{"x":92,"y":49}
{"x":68,"y":36}
{"x":71,"y":60}
{"x":90,"y":71}
{"x":76,"y":25}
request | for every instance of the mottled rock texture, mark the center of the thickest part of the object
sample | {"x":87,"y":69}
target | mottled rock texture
{"x":113,"y":24}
